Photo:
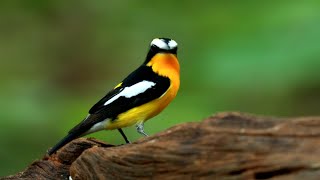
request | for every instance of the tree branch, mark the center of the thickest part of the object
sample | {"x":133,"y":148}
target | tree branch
{"x":227,"y":145}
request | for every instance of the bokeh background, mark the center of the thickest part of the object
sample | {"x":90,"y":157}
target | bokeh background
{"x":57,"y":58}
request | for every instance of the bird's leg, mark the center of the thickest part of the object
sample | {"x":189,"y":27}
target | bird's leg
{"x":140,"y":129}
{"x":124,"y":136}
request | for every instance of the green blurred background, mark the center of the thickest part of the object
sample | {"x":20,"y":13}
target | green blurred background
{"x":59,"y":57}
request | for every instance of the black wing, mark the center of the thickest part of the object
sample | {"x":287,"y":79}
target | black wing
{"x":123,"y":104}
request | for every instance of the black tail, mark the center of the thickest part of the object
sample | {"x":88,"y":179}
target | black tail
{"x":64,"y":141}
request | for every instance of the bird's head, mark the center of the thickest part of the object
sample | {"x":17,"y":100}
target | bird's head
{"x":161,"y":45}
{"x":162,"y":58}
{"x":164,"y":45}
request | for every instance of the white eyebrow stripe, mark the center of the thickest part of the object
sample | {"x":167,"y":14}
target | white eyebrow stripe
{"x":160,"y":44}
{"x":133,"y":90}
{"x":172,"y":44}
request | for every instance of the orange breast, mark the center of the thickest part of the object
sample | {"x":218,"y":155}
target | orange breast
{"x":166,"y":64}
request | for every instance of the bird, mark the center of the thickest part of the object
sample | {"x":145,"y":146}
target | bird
{"x":143,"y":94}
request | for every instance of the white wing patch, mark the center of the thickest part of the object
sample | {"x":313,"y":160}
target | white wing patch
{"x":133,"y":90}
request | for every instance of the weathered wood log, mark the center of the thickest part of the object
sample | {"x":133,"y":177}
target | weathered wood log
{"x":224,"y":146}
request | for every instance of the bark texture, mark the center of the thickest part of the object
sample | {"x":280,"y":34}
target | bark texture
{"x":225,"y":146}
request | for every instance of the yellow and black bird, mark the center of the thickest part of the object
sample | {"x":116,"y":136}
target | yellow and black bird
{"x":139,"y":97}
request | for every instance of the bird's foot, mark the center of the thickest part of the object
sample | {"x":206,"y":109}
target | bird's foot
{"x":140,"y":129}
